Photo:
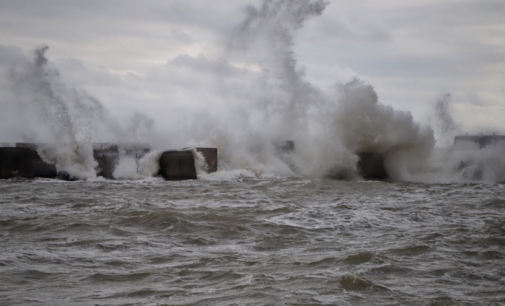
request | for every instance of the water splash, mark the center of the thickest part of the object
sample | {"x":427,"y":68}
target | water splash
{"x":64,"y":115}
{"x":53,"y":113}
{"x":271,"y":102}
{"x":444,"y":124}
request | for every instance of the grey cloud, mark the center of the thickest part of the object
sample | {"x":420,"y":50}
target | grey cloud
{"x":361,"y":29}
{"x":476,"y":100}
{"x":453,"y":65}
{"x":117,"y":15}
{"x":450,"y":13}
{"x":182,"y":37}
{"x":203,"y":64}
{"x":10,"y":54}
{"x":77,"y":74}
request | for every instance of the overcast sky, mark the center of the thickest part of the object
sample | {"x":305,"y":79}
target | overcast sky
{"x":147,"y":55}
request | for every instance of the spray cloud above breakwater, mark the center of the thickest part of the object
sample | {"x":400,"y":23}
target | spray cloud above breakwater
{"x":255,"y":95}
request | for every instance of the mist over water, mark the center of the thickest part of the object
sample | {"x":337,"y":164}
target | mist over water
{"x":267,"y":102}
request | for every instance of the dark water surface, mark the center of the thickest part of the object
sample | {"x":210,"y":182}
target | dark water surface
{"x":251,"y":242}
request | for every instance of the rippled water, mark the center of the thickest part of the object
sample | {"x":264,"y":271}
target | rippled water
{"x":251,"y":242}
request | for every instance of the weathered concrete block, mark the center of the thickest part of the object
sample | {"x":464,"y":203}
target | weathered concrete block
{"x":210,"y":156}
{"x":284,"y":151}
{"x":40,"y":167}
{"x":177,"y":165}
{"x":371,"y":166}
{"x":16,"y":162}
{"x":107,"y":157}
{"x":43,"y":169}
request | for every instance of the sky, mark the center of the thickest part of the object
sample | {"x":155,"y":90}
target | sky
{"x":158,"y":56}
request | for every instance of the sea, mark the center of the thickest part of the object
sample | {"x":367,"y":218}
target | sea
{"x":251,"y":241}
{"x":271,"y":226}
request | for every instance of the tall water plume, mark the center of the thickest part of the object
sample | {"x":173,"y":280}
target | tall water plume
{"x":47,"y":111}
{"x":443,"y":121}
{"x":266,"y":39}
{"x":328,"y":128}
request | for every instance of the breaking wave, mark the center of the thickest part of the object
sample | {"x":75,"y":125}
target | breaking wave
{"x":329,"y":128}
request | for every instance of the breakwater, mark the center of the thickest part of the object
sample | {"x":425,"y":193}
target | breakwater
{"x":29,"y":160}
{"x":482,"y":140}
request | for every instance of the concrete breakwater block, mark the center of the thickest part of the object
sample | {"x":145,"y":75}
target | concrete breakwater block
{"x":284,"y":147}
{"x":105,"y":154}
{"x":107,"y":157}
{"x":284,"y":151}
{"x":40,"y":167}
{"x":371,"y":166}
{"x":16,"y":162}
{"x":177,"y":165}
{"x":210,"y":156}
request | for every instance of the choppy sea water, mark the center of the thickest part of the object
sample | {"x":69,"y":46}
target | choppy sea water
{"x":251,"y":242}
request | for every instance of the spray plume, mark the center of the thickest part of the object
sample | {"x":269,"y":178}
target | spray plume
{"x":444,"y":124}
{"x":271,"y":101}
{"x":51,"y":112}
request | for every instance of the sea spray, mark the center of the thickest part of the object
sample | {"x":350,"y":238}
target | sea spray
{"x":479,"y":164}
{"x":200,"y":164}
{"x":65,"y":120}
{"x":443,"y":123}
{"x":365,"y":125}
{"x":268,"y":100}
{"x":280,"y":105}
{"x":148,"y":165}
{"x":41,"y":99}
{"x":328,"y":128}
{"x":265,"y":39}
{"x":75,"y":159}
{"x":126,"y":167}
{"x":465,"y":161}
{"x":276,"y":105}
